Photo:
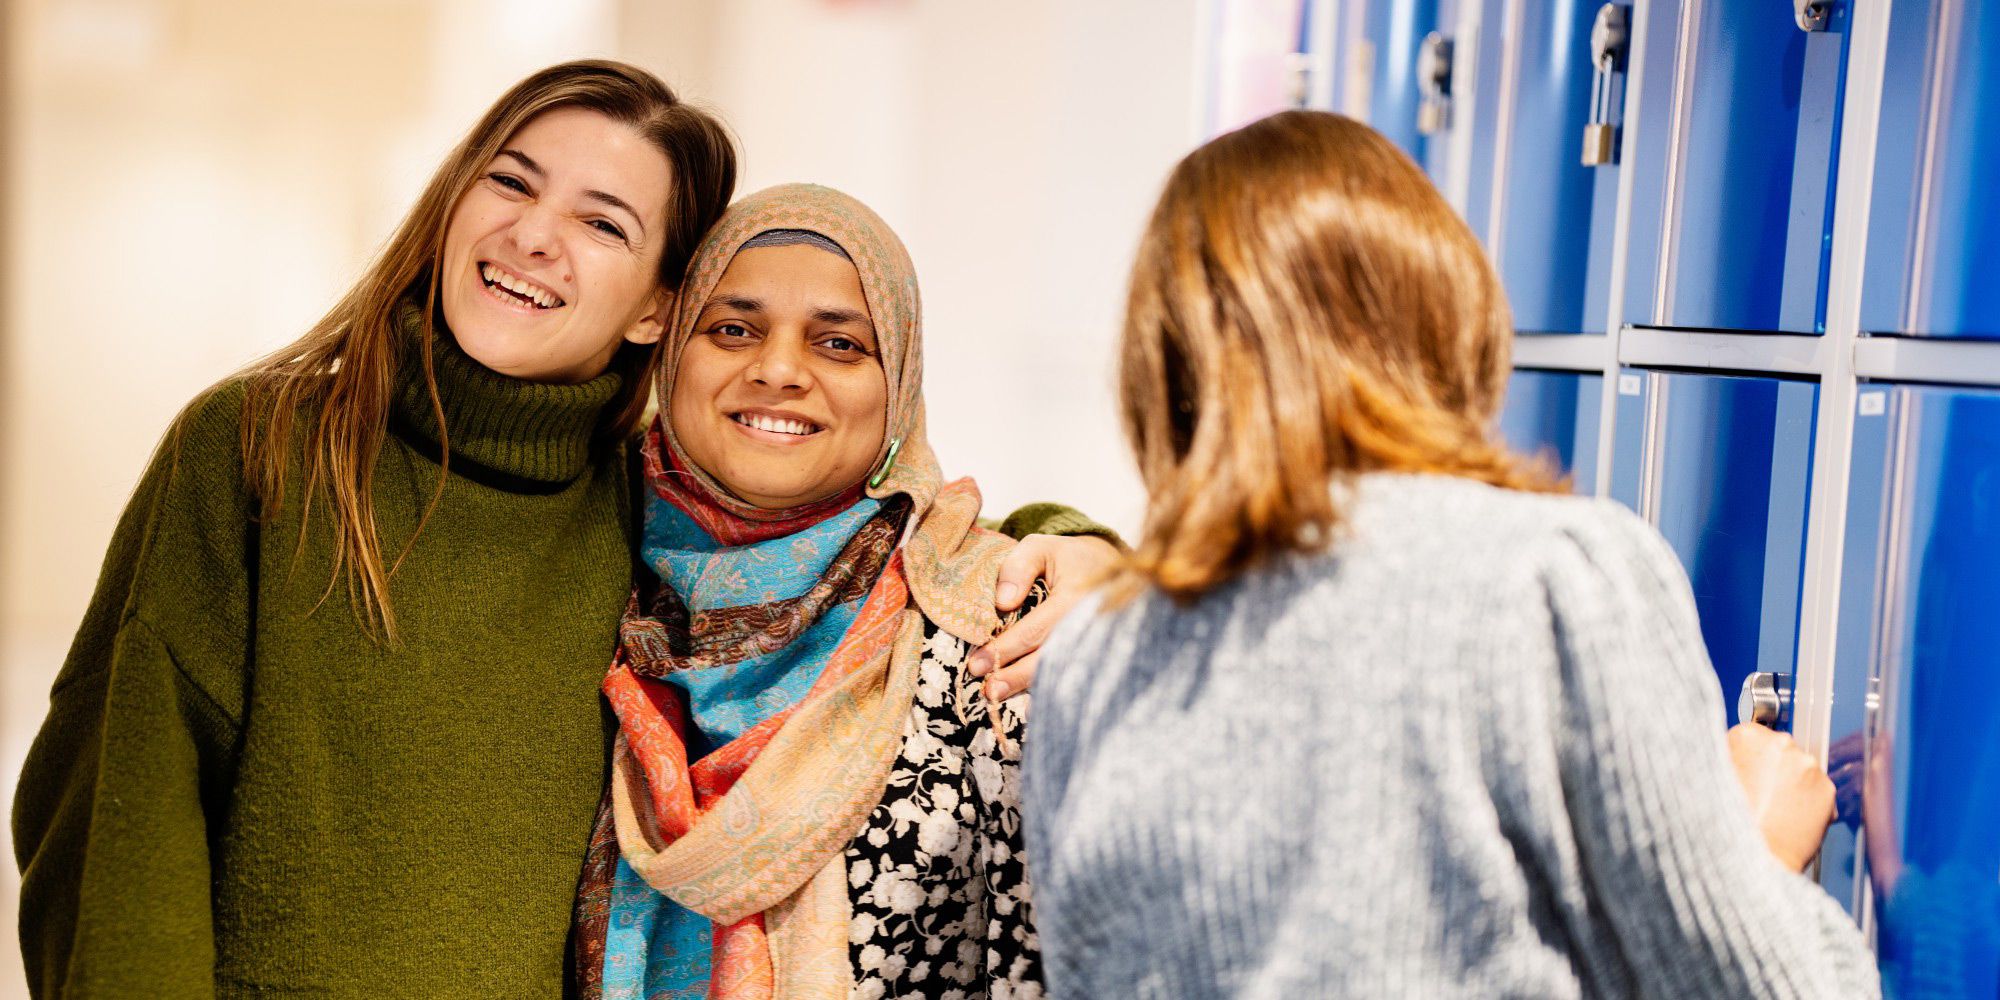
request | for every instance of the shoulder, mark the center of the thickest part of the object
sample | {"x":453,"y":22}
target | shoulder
{"x":202,"y":449}
{"x":1405,"y":542}
{"x":1470,"y":521}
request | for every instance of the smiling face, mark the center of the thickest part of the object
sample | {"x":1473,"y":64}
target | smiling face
{"x":552,"y":257}
{"x":780,"y":394}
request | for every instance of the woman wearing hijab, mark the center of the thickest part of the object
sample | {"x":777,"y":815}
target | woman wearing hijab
{"x":1384,"y":711}
{"x":810,"y":797}
{"x":331,"y":725}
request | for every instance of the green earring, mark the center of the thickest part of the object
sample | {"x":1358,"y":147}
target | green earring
{"x":889,"y":462}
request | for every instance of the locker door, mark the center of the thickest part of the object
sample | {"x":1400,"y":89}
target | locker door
{"x":1934,"y":223}
{"x":1926,"y":527}
{"x":1556,"y":414}
{"x":1550,"y":219}
{"x":1459,"y":155}
{"x":1721,"y":465}
{"x":1384,"y":67}
{"x":1739,"y":124}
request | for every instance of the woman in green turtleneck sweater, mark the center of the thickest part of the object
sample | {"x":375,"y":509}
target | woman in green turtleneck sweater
{"x":331,"y":724}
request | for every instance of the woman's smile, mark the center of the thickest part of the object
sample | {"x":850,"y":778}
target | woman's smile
{"x":512,"y":289}
{"x":775,"y":427}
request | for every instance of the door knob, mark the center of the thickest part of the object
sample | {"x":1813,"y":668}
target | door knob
{"x":1766,"y":699}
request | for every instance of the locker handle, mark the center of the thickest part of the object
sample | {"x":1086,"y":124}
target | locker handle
{"x":1766,"y":699}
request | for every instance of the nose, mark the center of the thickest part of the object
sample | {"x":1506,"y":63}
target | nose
{"x":781,"y":364}
{"x":534,"y":233}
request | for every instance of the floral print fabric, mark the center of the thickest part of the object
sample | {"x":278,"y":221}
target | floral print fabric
{"x":939,"y":888}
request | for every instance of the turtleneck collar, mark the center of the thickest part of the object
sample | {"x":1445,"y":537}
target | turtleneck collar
{"x":526,"y":436}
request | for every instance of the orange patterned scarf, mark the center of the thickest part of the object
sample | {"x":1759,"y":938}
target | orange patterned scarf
{"x":753,"y":835}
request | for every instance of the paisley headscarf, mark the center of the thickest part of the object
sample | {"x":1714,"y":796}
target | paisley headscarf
{"x":753,"y":834}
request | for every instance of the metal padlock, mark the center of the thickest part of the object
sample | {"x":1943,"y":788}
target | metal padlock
{"x":1433,"y":83}
{"x":1599,"y":143}
{"x":1608,"y":38}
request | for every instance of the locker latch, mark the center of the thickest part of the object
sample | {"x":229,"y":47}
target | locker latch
{"x":1812,"y":15}
{"x":1766,"y":699}
{"x":1608,"y":37}
{"x":1434,"y":83}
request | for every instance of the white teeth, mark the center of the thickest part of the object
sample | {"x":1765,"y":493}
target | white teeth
{"x":494,"y":275}
{"x":776,"y":425}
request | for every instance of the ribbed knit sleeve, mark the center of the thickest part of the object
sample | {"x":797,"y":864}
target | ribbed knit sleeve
{"x":1054,"y":519}
{"x":1698,"y":906}
{"x":112,"y":815}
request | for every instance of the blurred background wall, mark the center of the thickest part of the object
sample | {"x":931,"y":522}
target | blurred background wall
{"x":185,"y":184}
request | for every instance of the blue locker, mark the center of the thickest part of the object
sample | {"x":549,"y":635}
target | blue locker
{"x":1934,"y":216}
{"x":1480,"y":53}
{"x":1551,"y":224}
{"x":1721,"y":465}
{"x":1556,"y":414}
{"x":1920,"y":772}
{"x":1392,"y":31}
{"x":1738,"y":129}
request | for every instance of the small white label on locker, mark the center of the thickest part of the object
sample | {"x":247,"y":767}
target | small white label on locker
{"x":1871,"y":404}
{"x":1629,"y":385}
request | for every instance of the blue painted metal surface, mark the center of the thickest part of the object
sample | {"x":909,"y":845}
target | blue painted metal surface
{"x":1656,"y":43}
{"x":1556,"y":414}
{"x":1934,"y":225}
{"x":1728,"y":461}
{"x":1553,"y":242}
{"x":1744,"y":199}
{"x":1393,"y":29}
{"x":1928,"y":789}
{"x":1860,"y":575}
{"x":1630,"y":432}
{"x":1480,"y":55}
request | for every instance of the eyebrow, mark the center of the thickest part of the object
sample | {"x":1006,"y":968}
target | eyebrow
{"x":602,"y":197}
{"x":744,"y":303}
{"x":840,"y":316}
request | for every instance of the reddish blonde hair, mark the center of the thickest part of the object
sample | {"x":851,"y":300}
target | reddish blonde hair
{"x":1304,"y":307}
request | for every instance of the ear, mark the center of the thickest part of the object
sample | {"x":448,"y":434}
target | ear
{"x":653,"y":325}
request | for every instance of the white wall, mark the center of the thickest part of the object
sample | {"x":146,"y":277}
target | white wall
{"x":190,"y":182}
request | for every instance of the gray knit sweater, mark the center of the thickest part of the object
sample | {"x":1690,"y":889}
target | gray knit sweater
{"x":1477,"y":751}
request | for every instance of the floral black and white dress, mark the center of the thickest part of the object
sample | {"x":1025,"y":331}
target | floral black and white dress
{"x":937,"y":875}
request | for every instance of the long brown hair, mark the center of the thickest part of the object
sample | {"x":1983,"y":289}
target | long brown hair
{"x":1304,"y":306}
{"x":325,"y":398}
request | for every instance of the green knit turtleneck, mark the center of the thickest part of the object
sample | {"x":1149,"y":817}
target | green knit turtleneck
{"x":240,"y":792}
{"x":532,"y":431}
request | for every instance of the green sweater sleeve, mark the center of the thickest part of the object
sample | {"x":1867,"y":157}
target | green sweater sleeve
{"x":113,"y":815}
{"x":1053,"y":519}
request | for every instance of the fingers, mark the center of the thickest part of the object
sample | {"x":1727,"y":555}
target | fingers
{"x":1012,"y":680}
{"x":1030,"y":561}
{"x":1019,"y":639}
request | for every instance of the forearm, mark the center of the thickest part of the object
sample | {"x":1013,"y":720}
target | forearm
{"x":112,"y":833}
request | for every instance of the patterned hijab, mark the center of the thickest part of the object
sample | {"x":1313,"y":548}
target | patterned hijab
{"x":752,"y":835}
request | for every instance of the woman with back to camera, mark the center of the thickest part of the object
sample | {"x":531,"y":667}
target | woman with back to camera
{"x":331,"y":725}
{"x":1377,"y":710}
